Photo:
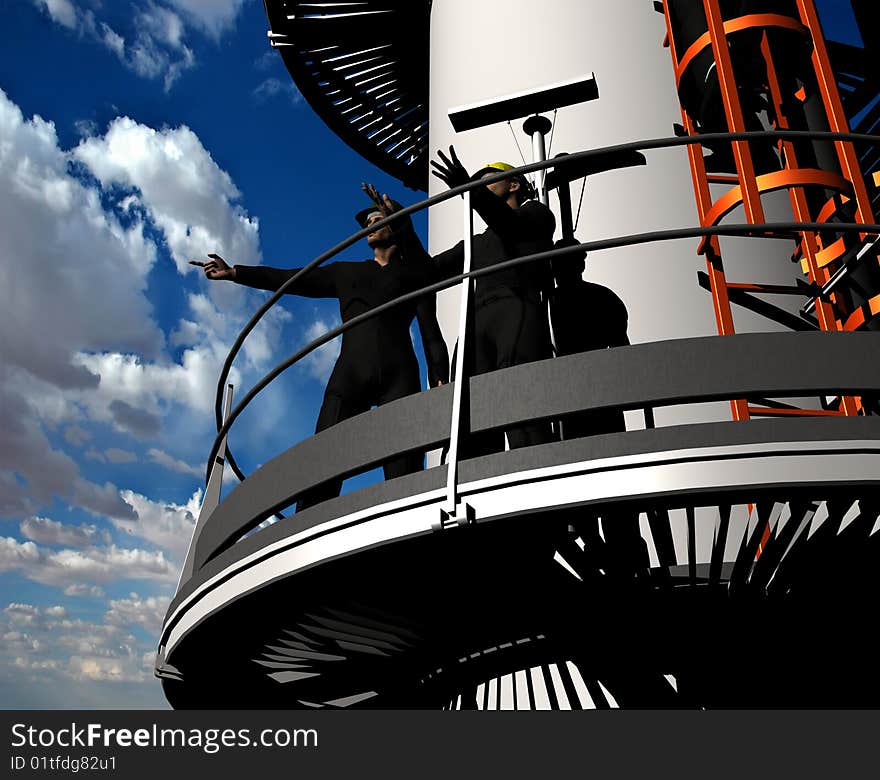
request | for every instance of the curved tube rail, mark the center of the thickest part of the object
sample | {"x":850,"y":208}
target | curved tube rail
{"x":223,"y":426}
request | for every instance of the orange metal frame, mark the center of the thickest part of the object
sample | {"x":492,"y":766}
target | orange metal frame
{"x":746,"y":188}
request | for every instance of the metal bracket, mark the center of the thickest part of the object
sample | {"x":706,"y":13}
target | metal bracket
{"x":163,"y":670}
{"x":463,"y":515}
{"x":848,"y":262}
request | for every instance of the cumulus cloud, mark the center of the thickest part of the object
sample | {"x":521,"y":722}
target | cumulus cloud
{"x":59,"y":244}
{"x":81,"y":590}
{"x":147,"y":613}
{"x":138,"y":422}
{"x":195,"y":207}
{"x":95,"y":565}
{"x":50,"y":642}
{"x":44,"y":531}
{"x":167,"y":525}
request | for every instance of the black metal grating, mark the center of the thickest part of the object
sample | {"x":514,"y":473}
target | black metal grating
{"x":363,"y":68}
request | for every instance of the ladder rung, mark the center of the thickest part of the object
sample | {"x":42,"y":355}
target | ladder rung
{"x":761,"y":411}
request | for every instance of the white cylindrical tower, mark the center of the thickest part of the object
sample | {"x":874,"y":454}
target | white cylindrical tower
{"x":497,"y":47}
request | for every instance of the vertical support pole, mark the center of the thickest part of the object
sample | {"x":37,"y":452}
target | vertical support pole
{"x":537,"y":127}
{"x":212,"y":495}
{"x":460,"y":421}
{"x":566,"y":223}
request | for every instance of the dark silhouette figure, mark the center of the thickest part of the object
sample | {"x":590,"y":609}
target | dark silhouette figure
{"x":585,"y":316}
{"x":509,"y":312}
{"x":376,"y":363}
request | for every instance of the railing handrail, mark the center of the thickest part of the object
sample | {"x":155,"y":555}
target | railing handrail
{"x":651,"y":374}
{"x":591,"y":246}
{"x":646,"y":144}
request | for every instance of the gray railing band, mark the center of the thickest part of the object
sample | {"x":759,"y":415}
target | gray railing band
{"x":633,"y":443}
{"x":677,"y":372}
{"x":416,"y":422}
{"x":781,"y":364}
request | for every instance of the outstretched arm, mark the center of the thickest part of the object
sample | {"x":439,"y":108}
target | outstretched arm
{"x":320,"y":282}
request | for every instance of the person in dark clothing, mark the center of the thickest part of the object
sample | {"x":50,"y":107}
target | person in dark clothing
{"x":585,"y":316}
{"x":510,"y":320}
{"x":376,"y":362}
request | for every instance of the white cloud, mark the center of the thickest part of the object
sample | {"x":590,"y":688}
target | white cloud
{"x":49,"y":646}
{"x":155,"y":44}
{"x":144,"y":385}
{"x":42,"y":530}
{"x":189,"y":197}
{"x":96,"y":565}
{"x":174,"y":464}
{"x":213,"y":16}
{"x":81,"y":590}
{"x":22,"y":614}
{"x":167,"y":525}
{"x":156,"y":48}
{"x":273,"y":87}
{"x":113,"y":41}
{"x":320,"y":363}
{"x":61,"y":11}
{"x":148,"y":613}
{"x":106,"y":363}
{"x":58,"y":246}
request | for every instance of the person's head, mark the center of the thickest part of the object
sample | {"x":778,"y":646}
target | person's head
{"x":569,"y":266}
{"x":513,"y":191}
{"x":382,"y":237}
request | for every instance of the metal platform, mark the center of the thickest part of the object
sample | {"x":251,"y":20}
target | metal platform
{"x":705,"y":542}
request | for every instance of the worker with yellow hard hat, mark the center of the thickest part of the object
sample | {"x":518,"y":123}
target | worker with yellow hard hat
{"x":510,"y":319}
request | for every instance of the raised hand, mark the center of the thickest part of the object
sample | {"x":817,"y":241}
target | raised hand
{"x":383,"y":202}
{"x":373,"y":194}
{"x":450,"y":170}
{"x":217,"y":268}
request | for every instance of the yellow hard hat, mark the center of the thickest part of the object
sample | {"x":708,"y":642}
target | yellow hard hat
{"x":498,"y":167}
{"x":495,"y":167}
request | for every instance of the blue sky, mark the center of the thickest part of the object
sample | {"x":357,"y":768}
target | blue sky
{"x":135,"y":136}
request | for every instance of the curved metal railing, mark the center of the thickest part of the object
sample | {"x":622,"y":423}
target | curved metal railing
{"x":753,"y":230}
{"x":654,"y":374}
